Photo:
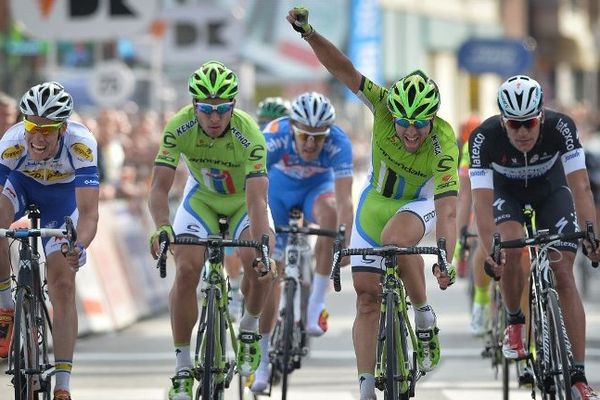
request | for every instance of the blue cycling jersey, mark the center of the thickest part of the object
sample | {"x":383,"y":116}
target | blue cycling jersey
{"x":335,"y":160}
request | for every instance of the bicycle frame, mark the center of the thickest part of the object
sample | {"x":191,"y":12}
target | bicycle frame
{"x":29,"y":361}
{"x":553,"y":354}
{"x":393,"y":292}
{"x":289,"y":341}
{"x":396,"y":372}
{"x":212,"y":367}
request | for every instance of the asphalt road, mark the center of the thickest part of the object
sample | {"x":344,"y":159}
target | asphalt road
{"x":137,"y":362}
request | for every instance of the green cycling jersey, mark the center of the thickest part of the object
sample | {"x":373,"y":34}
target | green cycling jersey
{"x":399,"y":174}
{"x":219,"y":165}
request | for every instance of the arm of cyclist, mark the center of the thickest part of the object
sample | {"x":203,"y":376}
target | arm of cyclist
{"x":330,"y":56}
{"x":579,"y":184}
{"x":345,"y":209}
{"x":482,"y":207}
{"x":158,"y":203}
{"x":87,"y":224}
{"x":463,"y":214}
{"x":445,"y":209}
{"x":256,"y":199}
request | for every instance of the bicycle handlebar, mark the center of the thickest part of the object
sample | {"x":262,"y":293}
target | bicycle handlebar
{"x":544,"y":238}
{"x":68,"y":232}
{"x":216,"y":241}
{"x":306,"y":230}
{"x":384,"y":251}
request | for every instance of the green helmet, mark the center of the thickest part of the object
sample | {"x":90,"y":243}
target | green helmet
{"x":272,"y":108}
{"x":416,"y":96}
{"x":213,"y":80}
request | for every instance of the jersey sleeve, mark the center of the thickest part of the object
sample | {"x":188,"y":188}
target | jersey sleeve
{"x":480,"y":170}
{"x":83,"y":153}
{"x":342,"y":161}
{"x":372,"y":95}
{"x":168,"y":153}
{"x":445,"y":152}
{"x":256,"y":151}
{"x":572,"y":154}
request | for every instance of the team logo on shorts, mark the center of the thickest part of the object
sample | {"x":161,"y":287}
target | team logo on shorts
{"x":82,"y":152}
{"x":13,"y":152}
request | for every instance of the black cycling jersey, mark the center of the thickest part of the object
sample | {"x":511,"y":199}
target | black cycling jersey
{"x":494,"y":162}
{"x":536,"y":177}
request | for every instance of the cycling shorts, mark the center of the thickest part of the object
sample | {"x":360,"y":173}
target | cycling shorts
{"x":554,"y":211}
{"x":198,"y":214}
{"x":286,"y":193}
{"x":373,"y":213}
{"x":54,"y":202}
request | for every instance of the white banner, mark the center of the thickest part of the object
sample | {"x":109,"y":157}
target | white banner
{"x":84,"y":19}
{"x":200,"y":33}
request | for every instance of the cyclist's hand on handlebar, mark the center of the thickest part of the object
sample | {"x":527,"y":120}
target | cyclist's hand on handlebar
{"x":77,"y":257}
{"x":593,"y":255}
{"x":265,"y":273}
{"x":298,"y":17}
{"x":153,"y":239}
{"x":444,"y":279}
{"x":494,"y":269}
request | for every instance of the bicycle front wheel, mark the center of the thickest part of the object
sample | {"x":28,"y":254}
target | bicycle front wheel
{"x":560,"y":372}
{"x":287,"y":341}
{"x":208,"y":384}
{"x":392,"y":389}
{"x":24,"y":350}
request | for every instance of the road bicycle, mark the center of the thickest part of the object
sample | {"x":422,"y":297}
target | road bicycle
{"x":552,"y":359}
{"x":29,"y":354}
{"x":396,"y":369}
{"x":289,"y":342}
{"x":214,"y":367}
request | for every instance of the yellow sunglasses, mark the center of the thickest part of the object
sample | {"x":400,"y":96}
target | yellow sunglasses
{"x":34,"y":128}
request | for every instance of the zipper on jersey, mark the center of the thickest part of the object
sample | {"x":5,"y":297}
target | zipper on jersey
{"x":526,"y":168}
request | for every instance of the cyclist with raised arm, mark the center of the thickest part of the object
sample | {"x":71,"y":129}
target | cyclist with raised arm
{"x":310,"y":166}
{"x":271,"y":108}
{"x":412,"y":187}
{"x":51,"y":161}
{"x":225,"y":153}
{"x":529,"y":154}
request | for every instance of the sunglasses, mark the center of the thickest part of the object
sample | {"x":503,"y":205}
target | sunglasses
{"x":209,"y":108}
{"x":418,"y":123}
{"x":318,"y":137}
{"x":34,"y":128}
{"x":528,"y":123}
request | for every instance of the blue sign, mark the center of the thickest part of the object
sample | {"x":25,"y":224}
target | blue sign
{"x":364,"y":42}
{"x":504,"y":57}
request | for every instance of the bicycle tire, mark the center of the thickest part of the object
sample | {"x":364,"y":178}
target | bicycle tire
{"x":288,"y":331}
{"x":406,"y":368}
{"x":559,"y":355}
{"x":24,"y":347}
{"x":391,"y":360}
{"x":208,"y":383}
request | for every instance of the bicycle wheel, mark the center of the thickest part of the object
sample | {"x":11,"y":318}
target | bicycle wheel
{"x":392,"y":388}
{"x":407,"y":368}
{"x":560,"y":372}
{"x":24,"y":351}
{"x":208,"y":384}
{"x":287,"y":337}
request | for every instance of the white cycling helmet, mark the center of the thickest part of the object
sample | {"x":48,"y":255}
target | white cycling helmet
{"x":313,"y":109}
{"x":47,"y":100}
{"x":520,"y":98}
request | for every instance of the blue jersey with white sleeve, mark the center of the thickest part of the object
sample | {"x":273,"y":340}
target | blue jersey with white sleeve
{"x":335,"y":160}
